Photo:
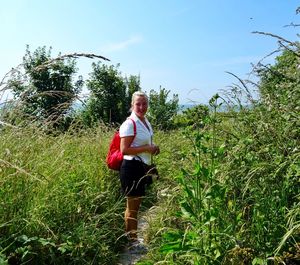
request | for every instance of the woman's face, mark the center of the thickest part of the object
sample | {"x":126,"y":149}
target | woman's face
{"x":140,"y":106}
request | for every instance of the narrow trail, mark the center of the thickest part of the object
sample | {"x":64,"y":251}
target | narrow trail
{"x":129,"y":258}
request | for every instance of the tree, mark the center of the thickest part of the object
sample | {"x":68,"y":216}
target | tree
{"x":110,"y":94}
{"x":133,"y":84}
{"x":193,"y":116}
{"x":280,"y":83}
{"x":46,"y":90}
{"x":161,"y":111}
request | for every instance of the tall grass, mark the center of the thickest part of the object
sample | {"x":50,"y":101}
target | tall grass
{"x":59,"y":203}
{"x":228,"y":194}
{"x":238,"y":196}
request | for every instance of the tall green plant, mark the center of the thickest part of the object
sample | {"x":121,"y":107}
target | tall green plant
{"x":261,"y":166}
{"x":203,"y":199}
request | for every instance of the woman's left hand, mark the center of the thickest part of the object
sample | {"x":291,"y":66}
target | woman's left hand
{"x":157,"y":150}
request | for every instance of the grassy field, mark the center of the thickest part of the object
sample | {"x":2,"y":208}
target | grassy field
{"x":59,"y":203}
{"x":228,"y":194}
{"x":237,"y":198}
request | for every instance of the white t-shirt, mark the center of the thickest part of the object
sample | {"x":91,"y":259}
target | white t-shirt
{"x":143,"y":136}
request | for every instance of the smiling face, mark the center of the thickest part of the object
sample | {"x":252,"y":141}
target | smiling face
{"x":140,"y":106}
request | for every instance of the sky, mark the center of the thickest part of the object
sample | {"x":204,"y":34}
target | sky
{"x":184,"y":46}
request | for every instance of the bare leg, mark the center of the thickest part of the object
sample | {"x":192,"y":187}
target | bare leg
{"x":131,"y":212}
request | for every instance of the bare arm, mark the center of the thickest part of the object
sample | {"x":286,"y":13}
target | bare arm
{"x":126,"y":149}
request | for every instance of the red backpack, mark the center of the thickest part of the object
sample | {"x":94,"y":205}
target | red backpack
{"x":114,"y":156}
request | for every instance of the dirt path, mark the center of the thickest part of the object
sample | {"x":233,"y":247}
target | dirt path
{"x":129,"y":258}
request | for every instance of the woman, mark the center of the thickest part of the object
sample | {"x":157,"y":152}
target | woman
{"x":137,"y":150}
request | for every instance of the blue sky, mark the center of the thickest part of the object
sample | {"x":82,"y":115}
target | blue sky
{"x":185,"y":46}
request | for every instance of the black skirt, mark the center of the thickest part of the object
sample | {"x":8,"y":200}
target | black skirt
{"x":133,"y":178}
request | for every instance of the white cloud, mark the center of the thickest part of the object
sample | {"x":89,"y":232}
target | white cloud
{"x":122,"y":45}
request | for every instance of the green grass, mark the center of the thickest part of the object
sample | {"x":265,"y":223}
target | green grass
{"x":228,"y":194}
{"x":59,"y":201}
{"x":237,"y":198}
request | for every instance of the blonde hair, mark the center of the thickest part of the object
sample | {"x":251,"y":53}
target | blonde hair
{"x":138,"y":94}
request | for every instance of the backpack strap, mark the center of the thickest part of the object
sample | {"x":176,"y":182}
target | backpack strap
{"x":134,"y":126}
